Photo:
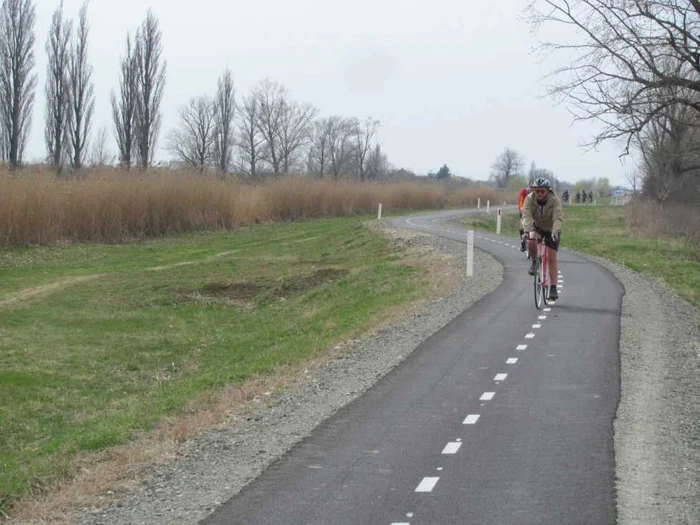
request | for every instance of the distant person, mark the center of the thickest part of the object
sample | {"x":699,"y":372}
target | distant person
{"x":584,"y":196}
{"x":590,"y":196}
{"x":578,"y":197}
{"x":521,"y":201}
{"x":543,"y":215}
{"x":565,"y":196}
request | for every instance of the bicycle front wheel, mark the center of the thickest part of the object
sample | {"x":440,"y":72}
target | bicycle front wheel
{"x":544,"y":278}
{"x":538,"y":283}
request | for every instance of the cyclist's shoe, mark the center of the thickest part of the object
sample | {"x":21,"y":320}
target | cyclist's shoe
{"x":531,"y":271}
{"x":553,"y":294}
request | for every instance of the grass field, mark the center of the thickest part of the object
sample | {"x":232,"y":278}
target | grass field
{"x":100,"y":342}
{"x":603,"y":231}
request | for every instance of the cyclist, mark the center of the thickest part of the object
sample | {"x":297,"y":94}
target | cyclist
{"x":521,"y":201}
{"x":543,"y":216}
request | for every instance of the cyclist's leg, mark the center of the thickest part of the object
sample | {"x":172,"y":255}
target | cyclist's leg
{"x":532,"y":250}
{"x":552,"y":249}
{"x":553,"y":267}
{"x":532,"y":244}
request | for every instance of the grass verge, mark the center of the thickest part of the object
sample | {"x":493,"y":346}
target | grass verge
{"x":99,"y":343}
{"x":603,"y":231}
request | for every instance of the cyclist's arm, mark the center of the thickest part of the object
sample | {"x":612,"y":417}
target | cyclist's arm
{"x":557,"y":216}
{"x":527,"y":223}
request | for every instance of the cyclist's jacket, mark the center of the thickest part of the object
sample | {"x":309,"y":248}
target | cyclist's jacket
{"x":548,"y":216}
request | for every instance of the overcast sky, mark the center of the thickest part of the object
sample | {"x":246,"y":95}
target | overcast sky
{"x":451,"y":81}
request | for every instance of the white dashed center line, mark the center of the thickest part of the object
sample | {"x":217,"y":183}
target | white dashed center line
{"x":427,"y":485}
{"x":451,"y":448}
{"x":471,"y":419}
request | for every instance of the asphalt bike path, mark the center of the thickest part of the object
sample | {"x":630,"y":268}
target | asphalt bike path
{"x":505,"y":416}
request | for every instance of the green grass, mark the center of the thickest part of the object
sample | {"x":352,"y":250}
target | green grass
{"x":602,"y":231}
{"x":95,"y":362}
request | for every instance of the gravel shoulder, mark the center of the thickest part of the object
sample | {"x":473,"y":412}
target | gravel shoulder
{"x":657,"y":429}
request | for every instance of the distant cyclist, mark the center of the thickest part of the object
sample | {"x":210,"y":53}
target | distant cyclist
{"x":543,"y":215}
{"x":521,"y":202}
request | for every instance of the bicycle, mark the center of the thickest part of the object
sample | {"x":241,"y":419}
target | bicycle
{"x":541,"y":280}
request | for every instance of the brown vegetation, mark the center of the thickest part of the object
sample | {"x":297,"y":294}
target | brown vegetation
{"x":38,"y":208}
{"x":651,"y":219}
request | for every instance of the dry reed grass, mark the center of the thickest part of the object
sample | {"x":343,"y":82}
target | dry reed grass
{"x":38,"y":208}
{"x":651,"y":219}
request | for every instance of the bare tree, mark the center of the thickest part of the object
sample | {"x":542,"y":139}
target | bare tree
{"x":670,"y":152}
{"x":150,"y":78}
{"x":634,"y":177}
{"x":82,"y":92}
{"x":509,"y":164}
{"x":124,"y":108}
{"x":295,"y":128}
{"x":270,"y":101}
{"x":365,"y":133}
{"x":341,"y":148}
{"x":193,"y":141}
{"x":224,"y":110}
{"x":58,"y":99}
{"x":628,"y":53}
{"x":251,"y":142}
{"x":320,"y":146}
{"x":17,"y":82}
{"x":99,"y":155}
{"x":377,"y":163}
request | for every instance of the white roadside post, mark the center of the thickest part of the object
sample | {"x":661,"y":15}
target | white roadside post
{"x":498,"y":222}
{"x":379,"y":213}
{"x":470,"y":253}
{"x":488,"y":206}
{"x":478,"y":203}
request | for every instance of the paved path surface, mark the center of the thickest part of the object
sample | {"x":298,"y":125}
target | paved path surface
{"x":505,"y":416}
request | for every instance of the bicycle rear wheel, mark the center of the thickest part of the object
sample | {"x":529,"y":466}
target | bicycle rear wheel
{"x":538,"y":283}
